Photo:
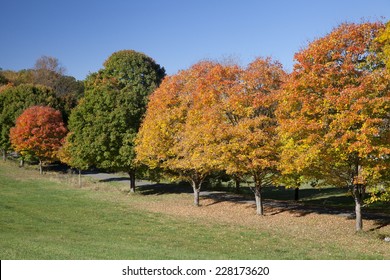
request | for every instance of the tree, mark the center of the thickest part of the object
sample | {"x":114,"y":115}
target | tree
{"x":47,"y":71}
{"x":214,"y":117}
{"x":382,"y":193}
{"x":14,"y":101}
{"x":3,"y":150}
{"x":70,"y":155}
{"x":106,"y":121}
{"x":16,"y":78}
{"x":39,"y":132}
{"x":3,"y":79}
{"x":334,"y":111}
{"x":180,"y":127}
{"x":248,"y":138}
{"x":384,"y":38}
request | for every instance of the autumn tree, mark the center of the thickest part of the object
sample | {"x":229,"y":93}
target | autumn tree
{"x":39,"y":132}
{"x":106,"y":121}
{"x":382,"y":193}
{"x":248,"y":138}
{"x":214,"y":117}
{"x":14,"y":100}
{"x":384,"y":38}
{"x":334,"y":111}
{"x":179,"y":131}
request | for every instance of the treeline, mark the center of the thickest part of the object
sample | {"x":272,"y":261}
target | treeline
{"x":46,"y":85}
{"x":326,"y":122}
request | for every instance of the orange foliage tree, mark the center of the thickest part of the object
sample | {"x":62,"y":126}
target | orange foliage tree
{"x":334,"y":111}
{"x":39,"y":132}
{"x":179,"y":131}
{"x":248,"y":141}
{"x":214,"y":117}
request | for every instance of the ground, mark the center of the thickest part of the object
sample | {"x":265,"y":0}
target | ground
{"x":317,"y":223}
{"x":52,"y":217}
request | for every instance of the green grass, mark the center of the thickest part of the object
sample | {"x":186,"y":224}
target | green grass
{"x":45,"y":219}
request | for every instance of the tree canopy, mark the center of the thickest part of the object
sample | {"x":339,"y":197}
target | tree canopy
{"x":175,"y":135}
{"x":39,"y":132}
{"x":384,"y":38}
{"x":248,"y":138}
{"x":14,"y":100}
{"x":334,"y":110}
{"x":213,"y":117}
{"x":107,"y":119}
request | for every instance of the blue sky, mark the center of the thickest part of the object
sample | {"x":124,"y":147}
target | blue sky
{"x":83,"y":33}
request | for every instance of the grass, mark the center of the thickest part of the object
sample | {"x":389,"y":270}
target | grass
{"x":45,"y":217}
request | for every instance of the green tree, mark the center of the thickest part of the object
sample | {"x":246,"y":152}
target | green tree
{"x":25,"y":76}
{"x":70,"y":155}
{"x":15,"y":100}
{"x":3,"y":79}
{"x":106,"y":121}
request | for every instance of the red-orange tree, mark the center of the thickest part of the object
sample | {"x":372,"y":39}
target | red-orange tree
{"x":39,"y":132}
{"x":334,"y":111}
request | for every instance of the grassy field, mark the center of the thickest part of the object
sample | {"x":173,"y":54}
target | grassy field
{"x":49,"y":217}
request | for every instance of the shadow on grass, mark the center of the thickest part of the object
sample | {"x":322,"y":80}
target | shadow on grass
{"x":160,"y":189}
{"x":116,"y":179}
{"x":277,"y":200}
{"x":335,"y":201}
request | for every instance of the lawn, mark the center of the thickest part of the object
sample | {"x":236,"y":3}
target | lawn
{"x":49,"y":217}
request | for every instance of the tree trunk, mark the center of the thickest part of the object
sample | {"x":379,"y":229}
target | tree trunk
{"x":132,"y":180}
{"x":358,"y":194}
{"x":296,"y":194}
{"x":79,"y":178}
{"x":4,"y":155}
{"x":21,"y":162}
{"x":258,"y":194}
{"x":196,"y":193}
{"x":259,"y":201}
{"x":196,"y":183}
{"x":40,"y":167}
{"x":237,"y":183}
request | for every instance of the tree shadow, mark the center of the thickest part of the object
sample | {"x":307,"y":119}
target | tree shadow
{"x":116,"y":179}
{"x":314,"y":201}
{"x":380,"y":224}
{"x":219,"y":197}
{"x":299,"y":209}
{"x":161,"y":189}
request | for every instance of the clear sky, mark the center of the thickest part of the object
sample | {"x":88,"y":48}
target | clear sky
{"x":83,"y":33}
